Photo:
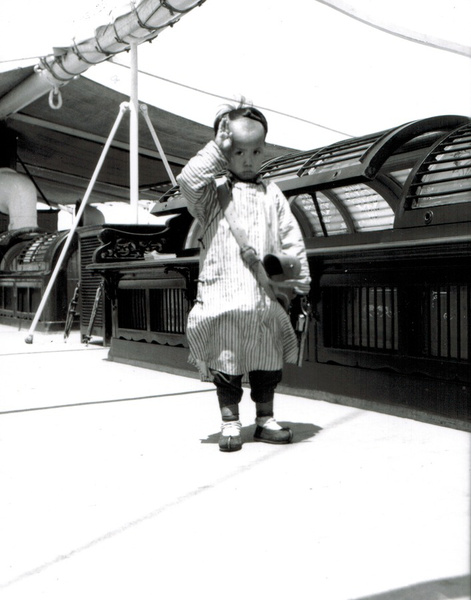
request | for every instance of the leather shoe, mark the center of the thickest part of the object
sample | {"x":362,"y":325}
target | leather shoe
{"x":230,"y":439}
{"x":273,"y":436}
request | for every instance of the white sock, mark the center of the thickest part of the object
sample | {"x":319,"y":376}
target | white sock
{"x":268,"y":423}
{"x":231,"y":428}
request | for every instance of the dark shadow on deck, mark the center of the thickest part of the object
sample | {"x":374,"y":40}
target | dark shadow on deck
{"x":301,"y":432}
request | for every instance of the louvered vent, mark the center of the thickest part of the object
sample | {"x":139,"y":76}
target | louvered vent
{"x":330,"y":158}
{"x":89,"y":282}
{"x":445,"y":176}
{"x":37,"y":250}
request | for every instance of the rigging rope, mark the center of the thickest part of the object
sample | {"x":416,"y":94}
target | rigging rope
{"x":213,"y":95}
{"x":398,"y":31}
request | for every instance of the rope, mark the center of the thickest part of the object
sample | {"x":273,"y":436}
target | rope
{"x":18,"y":157}
{"x":45,"y":65}
{"x":116,"y":36}
{"x":141,"y":24}
{"x":81,"y":57}
{"x":100,"y":49}
{"x":172,"y":10}
{"x":60,"y":62}
{"x":200,"y":91}
{"x":405,"y":34}
{"x":153,"y":30}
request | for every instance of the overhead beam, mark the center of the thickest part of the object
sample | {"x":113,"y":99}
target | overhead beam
{"x":84,"y":135}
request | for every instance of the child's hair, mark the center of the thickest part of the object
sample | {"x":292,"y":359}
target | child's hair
{"x":243,"y":110}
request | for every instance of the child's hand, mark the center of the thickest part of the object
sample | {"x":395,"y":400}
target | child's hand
{"x":224,"y":137}
{"x":299,"y":287}
{"x":302,"y":289}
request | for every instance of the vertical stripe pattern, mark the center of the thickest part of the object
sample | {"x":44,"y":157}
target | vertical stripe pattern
{"x":234,"y":327}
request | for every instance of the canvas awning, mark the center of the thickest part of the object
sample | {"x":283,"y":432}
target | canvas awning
{"x":60,"y":148}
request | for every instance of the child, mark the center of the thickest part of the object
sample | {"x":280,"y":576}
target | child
{"x":236,"y":329}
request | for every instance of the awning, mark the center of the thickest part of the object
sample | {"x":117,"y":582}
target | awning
{"x":60,"y":148}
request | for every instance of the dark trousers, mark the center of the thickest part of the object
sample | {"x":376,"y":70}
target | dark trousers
{"x":262,"y":391}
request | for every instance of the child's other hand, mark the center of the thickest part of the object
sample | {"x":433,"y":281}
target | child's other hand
{"x":224,"y":137}
{"x":301,"y":288}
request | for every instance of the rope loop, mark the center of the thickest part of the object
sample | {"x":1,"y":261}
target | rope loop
{"x":55,"y":99}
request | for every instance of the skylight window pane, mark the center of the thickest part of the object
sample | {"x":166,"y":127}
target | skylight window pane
{"x":332,"y":219}
{"x":368,"y":210}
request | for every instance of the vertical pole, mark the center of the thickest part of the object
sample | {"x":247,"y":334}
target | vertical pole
{"x":134,"y":136}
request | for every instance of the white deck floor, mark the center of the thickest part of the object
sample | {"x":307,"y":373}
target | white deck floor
{"x":113,"y":487}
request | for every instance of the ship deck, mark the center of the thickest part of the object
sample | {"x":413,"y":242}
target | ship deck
{"x":113,"y":487}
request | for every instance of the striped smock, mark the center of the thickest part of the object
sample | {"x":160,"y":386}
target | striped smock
{"x":234,"y":327}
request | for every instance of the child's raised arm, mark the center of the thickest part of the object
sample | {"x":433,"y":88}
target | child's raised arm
{"x":224,"y":137}
{"x":197,"y":179}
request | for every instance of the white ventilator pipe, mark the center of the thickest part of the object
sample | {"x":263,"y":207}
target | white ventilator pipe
{"x":29,"y":338}
{"x":18,"y":199}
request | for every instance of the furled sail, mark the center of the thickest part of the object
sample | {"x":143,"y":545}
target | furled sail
{"x":143,"y":23}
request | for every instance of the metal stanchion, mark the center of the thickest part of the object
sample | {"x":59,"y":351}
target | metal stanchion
{"x":29,"y":338}
{"x":145,"y":113}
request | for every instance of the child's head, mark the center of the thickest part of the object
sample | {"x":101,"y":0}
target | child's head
{"x":232,"y":113}
{"x":247,"y":127}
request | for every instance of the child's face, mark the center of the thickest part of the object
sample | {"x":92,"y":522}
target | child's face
{"x":248,"y":148}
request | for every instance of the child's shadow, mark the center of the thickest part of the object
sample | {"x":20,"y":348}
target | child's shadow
{"x":301,"y":432}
